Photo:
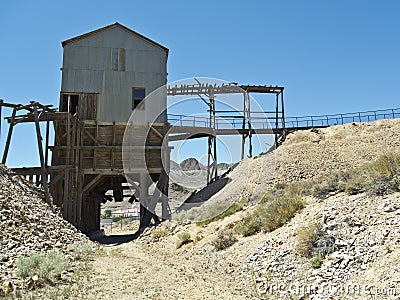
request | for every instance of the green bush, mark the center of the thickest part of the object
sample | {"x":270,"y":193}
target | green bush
{"x":183,"y":238}
{"x":306,"y":238}
{"x":313,"y":240}
{"x":316,"y":261}
{"x":45,"y":266}
{"x":117,"y":218}
{"x":270,"y":216}
{"x":250,"y":225}
{"x":224,"y":240}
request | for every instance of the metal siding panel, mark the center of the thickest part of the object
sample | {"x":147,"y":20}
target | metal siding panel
{"x":141,"y":61}
{"x":108,"y":87}
{"x":116,"y":83}
{"x":129,"y":61}
{"x":96,"y":81}
{"x":107,"y":59}
{"x":86,"y":88}
{"x":124,"y":83}
{"x":92,"y":56}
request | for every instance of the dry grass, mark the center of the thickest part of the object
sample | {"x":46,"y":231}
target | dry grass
{"x":45,"y":266}
{"x":184,"y":237}
{"x":269,"y":216}
{"x":224,"y":240}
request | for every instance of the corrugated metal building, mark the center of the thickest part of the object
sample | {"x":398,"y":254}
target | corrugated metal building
{"x":111,"y":69}
{"x":106,"y":74}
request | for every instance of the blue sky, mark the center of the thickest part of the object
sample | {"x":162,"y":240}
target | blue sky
{"x":331,"y":56}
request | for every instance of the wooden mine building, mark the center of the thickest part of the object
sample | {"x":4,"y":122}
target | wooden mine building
{"x":106,"y":74}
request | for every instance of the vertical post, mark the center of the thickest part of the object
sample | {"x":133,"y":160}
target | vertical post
{"x":243,"y":126}
{"x":113,"y":145}
{"x":276,"y":119}
{"x":249,"y":124}
{"x":283,"y":112}
{"x":67,"y":169}
{"x":41,"y":157}
{"x":96,"y":136}
{"x":10,"y":130}
{"x":212,"y":172}
{"x":46,"y":158}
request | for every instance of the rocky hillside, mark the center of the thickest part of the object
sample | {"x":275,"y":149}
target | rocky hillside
{"x":360,"y":233}
{"x":28,"y":225}
{"x":311,"y":153}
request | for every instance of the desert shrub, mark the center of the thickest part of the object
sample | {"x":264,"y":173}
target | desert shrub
{"x":378,"y":178}
{"x":250,"y":225}
{"x":208,"y":215}
{"x":331,"y":183}
{"x":306,"y":238}
{"x":158,"y":234}
{"x":224,"y":240}
{"x":183,"y":238}
{"x":313,"y":240}
{"x":80,"y":251}
{"x":117,"y":218}
{"x":316,"y":261}
{"x":280,"y":211}
{"x":45,"y":266}
{"x":270,"y":216}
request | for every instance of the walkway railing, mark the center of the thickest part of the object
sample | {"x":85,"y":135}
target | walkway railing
{"x":236,"y":122}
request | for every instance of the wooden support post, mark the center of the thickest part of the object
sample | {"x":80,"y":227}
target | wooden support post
{"x":96,"y":136}
{"x":91,"y":184}
{"x":113,"y":145}
{"x":249,"y":124}
{"x":66,"y":194}
{"x":72,"y":185}
{"x":46,"y":158}
{"x":276,"y":119}
{"x":41,"y":157}
{"x":10,"y":130}
{"x":76,"y":169}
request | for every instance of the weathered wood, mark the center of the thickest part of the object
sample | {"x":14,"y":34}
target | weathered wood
{"x":41,"y":157}
{"x":92,"y":183}
{"x":10,"y":130}
{"x":46,"y":159}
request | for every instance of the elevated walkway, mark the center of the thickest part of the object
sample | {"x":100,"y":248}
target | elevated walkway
{"x":189,"y":127}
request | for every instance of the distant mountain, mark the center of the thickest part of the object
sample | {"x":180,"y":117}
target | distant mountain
{"x":190,"y":164}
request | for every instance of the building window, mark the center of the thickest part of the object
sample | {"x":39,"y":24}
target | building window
{"x":138,"y":95}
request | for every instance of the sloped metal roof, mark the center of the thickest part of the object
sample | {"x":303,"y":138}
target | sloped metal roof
{"x":85,"y":35}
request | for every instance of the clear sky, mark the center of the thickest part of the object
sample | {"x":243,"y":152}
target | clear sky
{"x":331,"y":56}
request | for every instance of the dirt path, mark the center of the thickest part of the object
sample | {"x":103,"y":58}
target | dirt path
{"x":138,"y":270}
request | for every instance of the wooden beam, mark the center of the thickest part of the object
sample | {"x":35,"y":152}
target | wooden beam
{"x":10,"y":130}
{"x":157,"y":132}
{"x":91,"y":184}
{"x":41,"y":157}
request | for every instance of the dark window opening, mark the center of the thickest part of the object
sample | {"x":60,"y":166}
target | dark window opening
{"x":73,"y":104}
{"x":69,"y":103}
{"x":138,"y":94}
